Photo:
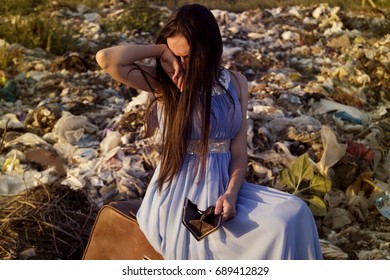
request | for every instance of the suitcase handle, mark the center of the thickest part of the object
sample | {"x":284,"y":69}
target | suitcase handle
{"x":128,"y":207}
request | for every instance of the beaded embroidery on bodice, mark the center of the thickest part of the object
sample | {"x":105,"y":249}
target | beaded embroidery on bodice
{"x":224,"y":80}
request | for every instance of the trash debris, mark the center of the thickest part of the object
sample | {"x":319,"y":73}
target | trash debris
{"x":8,"y":92}
{"x":318,"y":88}
{"x":382,"y":203}
{"x":27,"y":254}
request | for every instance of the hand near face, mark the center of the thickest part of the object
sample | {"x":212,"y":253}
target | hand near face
{"x":177,"y":59}
{"x":172,"y":67}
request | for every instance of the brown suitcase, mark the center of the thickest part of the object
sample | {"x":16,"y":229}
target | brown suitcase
{"x":117,"y":236}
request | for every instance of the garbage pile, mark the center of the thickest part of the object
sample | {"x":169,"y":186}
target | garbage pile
{"x":319,"y":107}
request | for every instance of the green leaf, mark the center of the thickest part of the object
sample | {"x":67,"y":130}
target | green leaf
{"x":302,"y":168}
{"x":317,"y":206}
{"x":320,"y":185}
{"x":288,"y":178}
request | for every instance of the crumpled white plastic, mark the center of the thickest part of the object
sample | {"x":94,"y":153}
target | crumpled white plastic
{"x":325,"y":106}
{"x":112,"y":140}
{"x":141,"y":99}
{"x":10,"y":121}
{"x":333,"y":151}
{"x":27,"y":139}
{"x":301,"y":123}
{"x":70,"y":128}
{"x":13,"y":182}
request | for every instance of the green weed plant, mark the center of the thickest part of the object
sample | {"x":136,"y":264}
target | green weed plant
{"x":305,"y":183}
{"x":139,"y":15}
{"x":9,"y":57}
{"x":33,"y":31}
{"x":5,"y":59}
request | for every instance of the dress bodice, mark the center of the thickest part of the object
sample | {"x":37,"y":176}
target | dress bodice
{"x":225,"y":117}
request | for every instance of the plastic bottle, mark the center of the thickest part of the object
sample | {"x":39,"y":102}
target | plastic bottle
{"x":382,"y":203}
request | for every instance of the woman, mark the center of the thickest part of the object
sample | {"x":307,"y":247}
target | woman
{"x":202,"y":115}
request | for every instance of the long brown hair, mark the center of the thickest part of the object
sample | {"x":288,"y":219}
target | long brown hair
{"x":198,"y":25}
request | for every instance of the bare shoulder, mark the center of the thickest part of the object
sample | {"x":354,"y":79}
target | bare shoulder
{"x":241,"y":77}
{"x":241,"y":83}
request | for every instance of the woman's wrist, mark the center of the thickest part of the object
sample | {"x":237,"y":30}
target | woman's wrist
{"x":232,"y":192}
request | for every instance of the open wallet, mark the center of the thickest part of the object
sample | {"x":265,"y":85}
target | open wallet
{"x":200,"y":223}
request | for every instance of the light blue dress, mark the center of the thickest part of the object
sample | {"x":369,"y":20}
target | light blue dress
{"x":269,"y":224}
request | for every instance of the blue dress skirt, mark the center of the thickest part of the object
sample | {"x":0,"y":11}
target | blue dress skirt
{"x":269,"y":224}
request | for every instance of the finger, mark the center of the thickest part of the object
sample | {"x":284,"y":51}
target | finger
{"x":181,"y":84}
{"x":218,"y":207}
{"x":175,"y":76}
{"x":225,"y":217}
{"x":178,"y":78}
{"x":176,"y":68}
{"x":228,"y":213}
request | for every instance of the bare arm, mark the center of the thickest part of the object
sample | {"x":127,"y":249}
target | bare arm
{"x":119,"y":61}
{"x":226,"y":203}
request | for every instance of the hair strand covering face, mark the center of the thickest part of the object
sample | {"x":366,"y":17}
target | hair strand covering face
{"x":198,"y":25}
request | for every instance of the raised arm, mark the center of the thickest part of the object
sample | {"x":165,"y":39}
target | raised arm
{"x":119,"y":62}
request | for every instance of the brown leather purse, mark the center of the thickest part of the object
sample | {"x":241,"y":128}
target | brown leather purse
{"x":117,"y":236}
{"x":200,"y":223}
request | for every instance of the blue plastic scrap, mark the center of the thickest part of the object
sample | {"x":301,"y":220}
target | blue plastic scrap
{"x":8,"y":92}
{"x":347,"y":117}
